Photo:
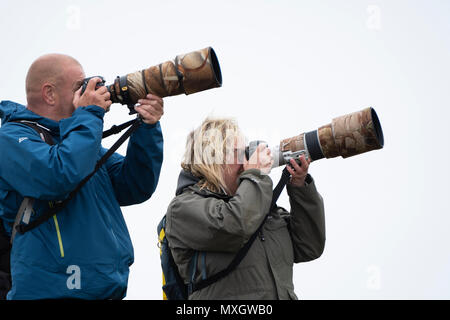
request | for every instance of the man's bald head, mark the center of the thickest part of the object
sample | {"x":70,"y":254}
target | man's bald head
{"x":50,"y":84}
{"x":48,"y":68}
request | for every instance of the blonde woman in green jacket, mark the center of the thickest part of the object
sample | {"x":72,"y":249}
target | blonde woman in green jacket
{"x":221,"y":201}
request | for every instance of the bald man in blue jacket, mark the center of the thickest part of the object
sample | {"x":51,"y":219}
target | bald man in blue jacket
{"x":85,"y":250}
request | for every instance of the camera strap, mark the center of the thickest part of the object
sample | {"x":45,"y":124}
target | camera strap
{"x":58,"y":206}
{"x":192,"y":286}
{"x":117,"y":129}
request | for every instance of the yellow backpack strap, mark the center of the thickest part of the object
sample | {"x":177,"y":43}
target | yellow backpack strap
{"x":162,"y":235}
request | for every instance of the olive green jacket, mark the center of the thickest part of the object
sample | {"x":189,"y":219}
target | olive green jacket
{"x":198,"y":220}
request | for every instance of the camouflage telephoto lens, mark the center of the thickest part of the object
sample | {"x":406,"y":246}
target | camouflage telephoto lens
{"x":187,"y":73}
{"x":345,"y":136}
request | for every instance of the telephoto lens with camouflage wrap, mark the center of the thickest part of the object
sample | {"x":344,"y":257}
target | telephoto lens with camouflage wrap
{"x":187,"y":73}
{"x":345,"y":136}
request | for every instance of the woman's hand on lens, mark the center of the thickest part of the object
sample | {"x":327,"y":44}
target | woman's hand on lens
{"x":260,"y":159}
{"x":298,"y":173}
{"x":151,"y":108}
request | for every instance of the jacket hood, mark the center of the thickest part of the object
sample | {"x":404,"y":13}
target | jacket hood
{"x":185,"y":179}
{"x":10,"y":111}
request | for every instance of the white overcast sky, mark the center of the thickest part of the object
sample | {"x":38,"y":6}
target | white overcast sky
{"x":288,"y":67}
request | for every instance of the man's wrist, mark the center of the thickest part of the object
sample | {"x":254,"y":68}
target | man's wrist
{"x":96,"y":110}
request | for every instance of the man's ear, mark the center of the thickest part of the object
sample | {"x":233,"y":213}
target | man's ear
{"x":49,"y":94}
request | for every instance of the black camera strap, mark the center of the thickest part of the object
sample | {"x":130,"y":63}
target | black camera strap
{"x":192,"y":286}
{"x":117,"y":129}
{"x":58,"y":206}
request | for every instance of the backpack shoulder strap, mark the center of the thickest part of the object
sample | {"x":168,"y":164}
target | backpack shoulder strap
{"x":4,"y":241}
{"x":173,"y":287}
{"x":25,"y":208}
{"x":58,"y":206}
{"x":42,"y":131}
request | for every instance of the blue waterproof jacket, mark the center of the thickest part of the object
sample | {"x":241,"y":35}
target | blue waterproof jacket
{"x":85,"y":250}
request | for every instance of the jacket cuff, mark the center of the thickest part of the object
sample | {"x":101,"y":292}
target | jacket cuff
{"x":95,"y":110}
{"x":150,"y":126}
{"x":308,"y":189}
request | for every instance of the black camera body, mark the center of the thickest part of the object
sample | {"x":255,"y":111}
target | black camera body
{"x":252,"y":147}
{"x":86,"y":80}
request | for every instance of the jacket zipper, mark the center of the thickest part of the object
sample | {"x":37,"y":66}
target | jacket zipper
{"x":261,"y":235}
{"x":58,"y":232}
{"x":260,"y":232}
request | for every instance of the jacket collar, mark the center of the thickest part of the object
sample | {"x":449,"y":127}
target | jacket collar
{"x":185,"y":179}
{"x":188,"y":180}
{"x":11,"y":111}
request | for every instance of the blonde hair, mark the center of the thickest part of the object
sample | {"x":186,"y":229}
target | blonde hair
{"x":208,"y":148}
